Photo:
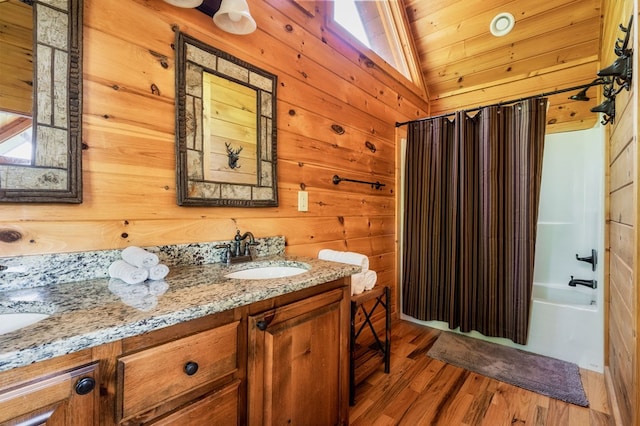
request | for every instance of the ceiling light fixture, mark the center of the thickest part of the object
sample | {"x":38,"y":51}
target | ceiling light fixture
{"x":502,"y":24}
{"x":185,"y":3}
{"x":234,"y":17}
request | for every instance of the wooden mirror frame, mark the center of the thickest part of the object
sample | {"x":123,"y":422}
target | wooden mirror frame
{"x":56,"y":173}
{"x":192,"y":187}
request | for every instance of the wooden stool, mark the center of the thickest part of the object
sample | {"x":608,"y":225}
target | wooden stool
{"x":366,"y":358}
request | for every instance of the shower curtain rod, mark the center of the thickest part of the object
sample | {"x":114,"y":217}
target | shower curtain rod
{"x":596,"y":82}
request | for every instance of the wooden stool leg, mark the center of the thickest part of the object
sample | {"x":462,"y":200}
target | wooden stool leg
{"x":381,"y":296}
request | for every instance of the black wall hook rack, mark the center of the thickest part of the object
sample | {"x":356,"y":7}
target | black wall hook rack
{"x":619,"y":73}
{"x":377,"y":185}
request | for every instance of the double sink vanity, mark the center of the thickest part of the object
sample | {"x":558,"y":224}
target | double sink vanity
{"x":261,"y":342}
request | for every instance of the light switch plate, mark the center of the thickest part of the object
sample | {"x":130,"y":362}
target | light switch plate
{"x":303,"y":201}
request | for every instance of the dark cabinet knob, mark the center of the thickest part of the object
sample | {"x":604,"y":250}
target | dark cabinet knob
{"x":264,"y":322}
{"x":85,"y":385}
{"x":191,"y":368}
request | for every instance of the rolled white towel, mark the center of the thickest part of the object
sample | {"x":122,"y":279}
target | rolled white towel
{"x":349,"y":257}
{"x":158,"y":272}
{"x":127,"y":273}
{"x":357,"y":283}
{"x":370,"y":279}
{"x":139,"y":257}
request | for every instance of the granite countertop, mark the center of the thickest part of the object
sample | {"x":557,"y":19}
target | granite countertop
{"x":89,"y":313}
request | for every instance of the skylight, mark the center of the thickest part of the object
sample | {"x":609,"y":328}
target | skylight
{"x":379,"y":26}
{"x":346,"y":14}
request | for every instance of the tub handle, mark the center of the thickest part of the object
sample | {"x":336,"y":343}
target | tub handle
{"x":593,"y":259}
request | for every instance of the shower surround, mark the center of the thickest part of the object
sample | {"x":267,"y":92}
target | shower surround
{"x":566,"y":322}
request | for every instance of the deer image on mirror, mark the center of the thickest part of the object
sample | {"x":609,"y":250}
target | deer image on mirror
{"x":225,"y":129}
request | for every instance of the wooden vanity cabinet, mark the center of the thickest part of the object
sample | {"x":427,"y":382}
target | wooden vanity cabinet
{"x":298,"y":362}
{"x":283,"y":360}
{"x":60,"y":398}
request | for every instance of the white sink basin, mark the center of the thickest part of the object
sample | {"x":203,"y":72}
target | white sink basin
{"x":267,"y":272}
{"x":15,"y":321}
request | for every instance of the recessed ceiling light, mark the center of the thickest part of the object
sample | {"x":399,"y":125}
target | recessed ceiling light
{"x":502,"y":24}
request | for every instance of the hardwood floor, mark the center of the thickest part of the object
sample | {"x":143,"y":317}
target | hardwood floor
{"x":424,"y":391}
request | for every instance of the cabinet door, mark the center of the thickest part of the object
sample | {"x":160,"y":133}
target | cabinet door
{"x":298,"y":362}
{"x":68,"y":398}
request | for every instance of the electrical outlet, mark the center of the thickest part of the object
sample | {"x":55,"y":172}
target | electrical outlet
{"x":303,"y":201}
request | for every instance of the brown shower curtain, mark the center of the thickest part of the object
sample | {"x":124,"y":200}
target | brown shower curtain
{"x":471,"y":209}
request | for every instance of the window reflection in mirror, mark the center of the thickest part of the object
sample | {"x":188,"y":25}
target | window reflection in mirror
{"x":16,"y":82}
{"x":53,"y":172}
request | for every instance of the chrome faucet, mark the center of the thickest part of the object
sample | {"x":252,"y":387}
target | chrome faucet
{"x":586,"y":283}
{"x":237,"y":252}
{"x":238,"y":239}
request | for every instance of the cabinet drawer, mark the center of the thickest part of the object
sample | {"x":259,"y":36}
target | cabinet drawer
{"x":217,"y":408}
{"x":53,"y":399}
{"x":150,"y":377}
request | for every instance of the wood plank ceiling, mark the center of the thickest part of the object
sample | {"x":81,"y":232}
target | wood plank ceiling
{"x":554,"y":45}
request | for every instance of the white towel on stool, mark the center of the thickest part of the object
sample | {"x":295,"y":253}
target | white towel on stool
{"x":349,"y":257}
{"x":363,"y":281}
{"x":158,"y":271}
{"x":127,"y":273}
{"x":139,"y":257}
{"x":370,"y":279}
{"x":357,"y":283}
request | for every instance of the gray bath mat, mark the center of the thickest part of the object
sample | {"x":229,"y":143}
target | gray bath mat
{"x":544,"y":375}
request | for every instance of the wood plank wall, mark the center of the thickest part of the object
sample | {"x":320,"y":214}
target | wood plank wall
{"x":129,"y":165}
{"x":622,"y":293}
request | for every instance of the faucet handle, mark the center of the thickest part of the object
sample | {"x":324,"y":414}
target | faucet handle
{"x":227,"y":254}
{"x":249,"y":247}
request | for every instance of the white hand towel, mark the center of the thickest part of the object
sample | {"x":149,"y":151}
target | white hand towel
{"x":127,"y":273}
{"x":357,"y":283}
{"x":349,"y":257}
{"x":158,"y":272}
{"x":139,"y":257}
{"x":370,"y":278}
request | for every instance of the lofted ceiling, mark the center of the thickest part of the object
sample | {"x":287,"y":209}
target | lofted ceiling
{"x":554,"y":45}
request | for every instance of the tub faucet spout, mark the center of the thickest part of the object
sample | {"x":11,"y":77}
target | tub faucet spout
{"x":587,"y":283}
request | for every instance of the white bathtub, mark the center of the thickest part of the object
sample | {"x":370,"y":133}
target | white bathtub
{"x":567,"y":323}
